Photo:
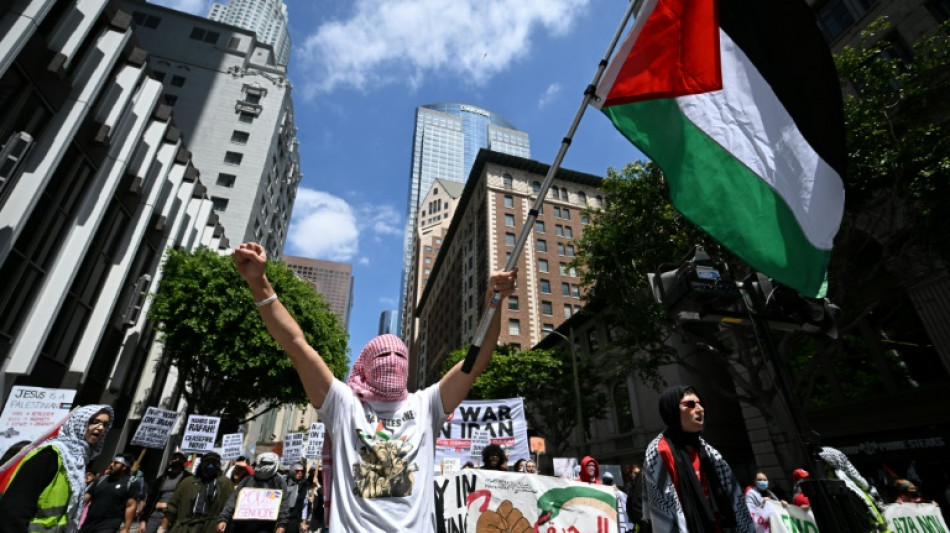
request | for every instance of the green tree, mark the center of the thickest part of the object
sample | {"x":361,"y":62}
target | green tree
{"x":544,"y":379}
{"x":227,"y":363}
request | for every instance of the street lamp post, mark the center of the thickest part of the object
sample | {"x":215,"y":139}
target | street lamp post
{"x":577,"y":390}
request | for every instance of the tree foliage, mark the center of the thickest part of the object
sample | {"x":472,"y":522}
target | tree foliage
{"x":544,"y":379}
{"x":227,"y":362}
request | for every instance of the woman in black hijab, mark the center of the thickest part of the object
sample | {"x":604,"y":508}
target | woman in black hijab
{"x":690,"y":488}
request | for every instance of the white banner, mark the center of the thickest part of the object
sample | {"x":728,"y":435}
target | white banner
{"x":293,"y":449}
{"x":155,"y":427}
{"x":231,"y":445}
{"x":502,"y":419}
{"x":914,"y":518}
{"x":31,"y":412}
{"x":485,"y":500}
{"x":200,"y":432}
{"x":777,"y":518}
{"x":315,"y":440}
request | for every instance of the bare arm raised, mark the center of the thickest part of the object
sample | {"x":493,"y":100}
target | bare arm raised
{"x":455,"y":384}
{"x":250,"y":258}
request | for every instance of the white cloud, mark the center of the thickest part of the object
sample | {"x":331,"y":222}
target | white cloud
{"x":195,"y":7}
{"x":327,"y":227}
{"x":387,"y":302}
{"x":549,"y":94}
{"x":402,"y":41}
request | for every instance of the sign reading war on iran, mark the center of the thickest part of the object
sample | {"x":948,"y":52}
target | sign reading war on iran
{"x":503,"y":420}
{"x":31,"y":412}
{"x":200,"y":432}
{"x":293,"y":448}
{"x":486,"y":500}
{"x":154,"y":428}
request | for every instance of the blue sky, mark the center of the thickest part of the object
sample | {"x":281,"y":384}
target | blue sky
{"x":360,"y":68}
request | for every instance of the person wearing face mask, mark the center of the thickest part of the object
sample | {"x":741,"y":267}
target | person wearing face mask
{"x":47,"y":487}
{"x":197,"y":502}
{"x":759,"y":493}
{"x":161,"y":491}
{"x":689,"y":487}
{"x":383,"y":438}
{"x":265,"y":477}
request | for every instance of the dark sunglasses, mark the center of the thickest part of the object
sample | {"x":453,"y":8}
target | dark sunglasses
{"x":691,"y":404}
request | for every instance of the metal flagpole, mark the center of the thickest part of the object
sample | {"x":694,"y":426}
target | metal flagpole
{"x":486,"y":319}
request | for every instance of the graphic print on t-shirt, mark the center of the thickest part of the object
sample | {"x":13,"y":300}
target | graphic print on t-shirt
{"x":383,"y":471}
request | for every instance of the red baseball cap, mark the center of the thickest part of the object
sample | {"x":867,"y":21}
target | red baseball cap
{"x":799,"y":473}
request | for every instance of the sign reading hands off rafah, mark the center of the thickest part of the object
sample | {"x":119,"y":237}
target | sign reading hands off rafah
{"x":486,"y":500}
{"x":200,"y":433}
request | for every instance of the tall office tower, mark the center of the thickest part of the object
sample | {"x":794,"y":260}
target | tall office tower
{"x":334,"y":281}
{"x":488,"y":217}
{"x":387,"y":322}
{"x":266,"y":18}
{"x":445,"y":142}
{"x":96,"y":181}
{"x":233,"y":103}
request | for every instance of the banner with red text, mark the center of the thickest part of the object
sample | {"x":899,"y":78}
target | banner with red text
{"x":502,"y":420}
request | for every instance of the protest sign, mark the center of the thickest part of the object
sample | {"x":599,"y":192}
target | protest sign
{"x":257,"y":504}
{"x":200,"y":432}
{"x":502,"y":419}
{"x":315,"y":440}
{"x":790,"y":519}
{"x":450,"y":464}
{"x":231,"y":445}
{"x":480,"y":439}
{"x":566,"y":467}
{"x":154,"y":428}
{"x":293,"y":448}
{"x":486,"y":500}
{"x":914,"y":518}
{"x":31,"y":412}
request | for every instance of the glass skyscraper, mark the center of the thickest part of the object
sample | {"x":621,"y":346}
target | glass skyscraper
{"x":445,"y":141}
{"x":266,"y":18}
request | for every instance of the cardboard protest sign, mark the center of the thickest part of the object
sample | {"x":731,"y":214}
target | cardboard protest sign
{"x":914,"y":518}
{"x":31,"y":412}
{"x":231,"y":445}
{"x":293,"y":448}
{"x":485,"y":500}
{"x":257,"y":504}
{"x":450,"y":465}
{"x":155,"y":427}
{"x":481,"y":438}
{"x":315,"y":440}
{"x":200,"y":433}
{"x":502,"y":419}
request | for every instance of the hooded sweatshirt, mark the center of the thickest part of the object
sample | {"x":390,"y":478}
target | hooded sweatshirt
{"x":584,"y":476}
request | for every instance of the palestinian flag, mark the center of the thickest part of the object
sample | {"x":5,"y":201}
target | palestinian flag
{"x":738,"y":102}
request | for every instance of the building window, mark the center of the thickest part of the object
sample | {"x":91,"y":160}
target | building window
{"x":593,"y":340}
{"x":509,"y":201}
{"x":622,"y":408}
{"x":565,"y":289}
{"x":252,"y":98}
{"x":178,"y":81}
{"x":575,"y":291}
{"x":219,"y":204}
{"x":568,"y":232}
{"x":170,"y":99}
{"x":208,"y":36}
{"x":233,"y":158}
{"x":570,"y":250}
{"x":568,"y":311}
{"x":585,"y":219}
{"x":547,"y":308}
{"x":512,"y":303}
{"x":566,"y":213}
{"x":509,"y":239}
{"x":234,"y":43}
{"x":507,"y":181}
{"x":581,"y":197}
{"x":544,"y":286}
{"x":543,"y":266}
{"x":542,"y":245}
{"x":240,"y":137}
{"x":539,"y":226}
{"x":547,"y":328}
{"x":560,"y":249}
{"x":246,"y":117}
{"x":514,"y":326}
{"x":509,"y":220}
{"x":428,"y":248}
{"x":559,"y":230}
{"x":146,"y":21}
{"x":157,"y":75}
{"x":535,"y":187}
{"x":225,"y":180}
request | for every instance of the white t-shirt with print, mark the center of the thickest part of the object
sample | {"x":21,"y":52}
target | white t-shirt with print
{"x":383,"y":460}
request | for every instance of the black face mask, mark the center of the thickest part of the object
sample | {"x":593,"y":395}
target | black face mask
{"x":210,"y":470}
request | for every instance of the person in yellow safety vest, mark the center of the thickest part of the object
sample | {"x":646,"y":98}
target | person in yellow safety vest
{"x":839,"y":467}
{"x":46,"y":491}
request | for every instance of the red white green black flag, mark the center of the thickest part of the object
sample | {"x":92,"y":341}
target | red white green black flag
{"x":738,"y":102}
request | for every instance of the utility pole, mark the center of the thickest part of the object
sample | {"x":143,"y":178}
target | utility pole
{"x":581,"y":430}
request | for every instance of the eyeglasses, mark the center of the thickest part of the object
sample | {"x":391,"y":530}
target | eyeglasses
{"x":691,"y":404}
{"x":97,"y":422}
{"x":298,"y":471}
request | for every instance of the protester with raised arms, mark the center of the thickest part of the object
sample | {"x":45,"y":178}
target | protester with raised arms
{"x":383,"y":450}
